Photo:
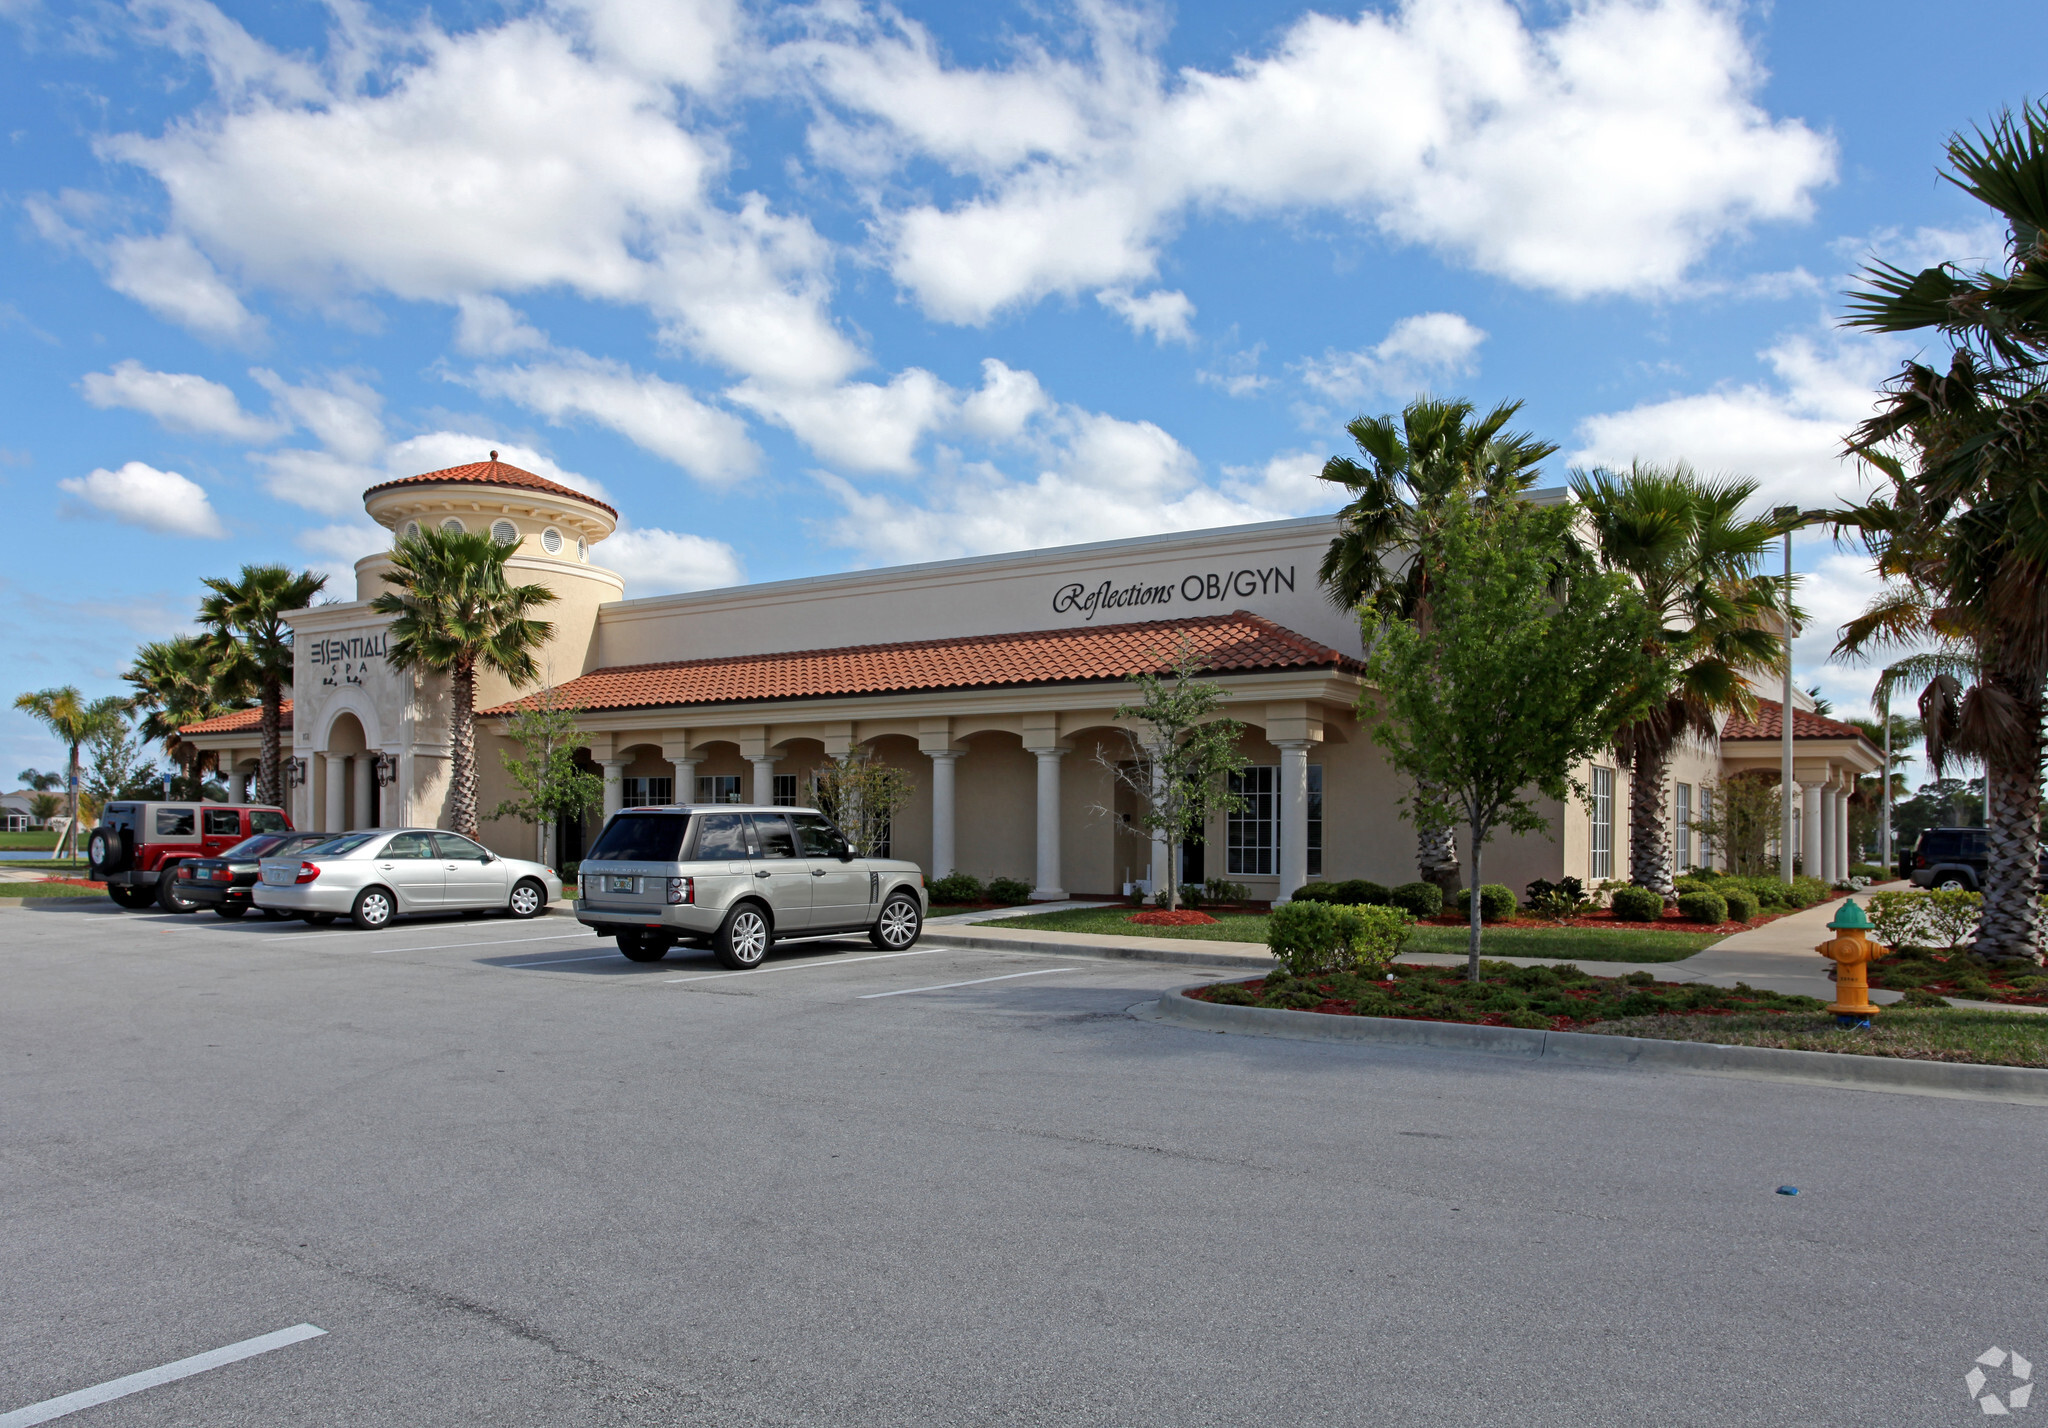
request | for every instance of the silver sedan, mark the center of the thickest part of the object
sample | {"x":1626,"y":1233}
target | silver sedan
{"x":378,"y":874}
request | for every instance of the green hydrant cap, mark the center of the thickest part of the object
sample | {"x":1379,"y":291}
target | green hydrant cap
{"x":1850,"y":916}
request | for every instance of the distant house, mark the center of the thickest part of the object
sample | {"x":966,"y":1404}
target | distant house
{"x":15,"y":814}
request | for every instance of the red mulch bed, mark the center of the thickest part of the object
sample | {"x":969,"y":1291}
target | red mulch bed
{"x":1183,"y":917}
{"x":77,"y":883}
{"x":1605,"y":918}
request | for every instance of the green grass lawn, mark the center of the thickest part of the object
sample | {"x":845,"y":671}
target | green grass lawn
{"x":1567,"y":944}
{"x":1986,"y":1037}
{"x":18,"y":890}
{"x":31,"y":838}
{"x":72,"y":866}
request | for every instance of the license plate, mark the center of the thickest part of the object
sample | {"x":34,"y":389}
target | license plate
{"x":624,"y":885}
{"x":277,"y":875}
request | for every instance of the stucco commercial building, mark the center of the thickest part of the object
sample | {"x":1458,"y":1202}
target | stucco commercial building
{"x":993,"y":681}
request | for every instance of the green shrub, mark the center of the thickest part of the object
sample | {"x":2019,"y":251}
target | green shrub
{"x":1703,"y":907}
{"x":959,"y":887}
{"x":1010,"y":890}
{"x":1741,"y":903}
{"x":1635,"y":904}
{"x":1358,"y":892}
{"x":1920,"y":997}
{"x":1876,"y":872}
{"x":1222,"y":890}
{"x":1419,"y":899}
{"x":1808,"y":891}
{"x":1316,"y":892}
{"x":1952,"y":915}
{"x":1233,"y":995}
{"x":1496,"y":901}
{"x":1316,"y":938}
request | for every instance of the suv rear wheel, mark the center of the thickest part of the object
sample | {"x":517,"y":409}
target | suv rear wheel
{"x":167,"y":895}
{"x":743,"y":937}
{"x":644,"y":946}
{"x":1953,"y":882}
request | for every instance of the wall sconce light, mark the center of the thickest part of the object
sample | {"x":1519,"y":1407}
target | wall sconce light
{"x":298,"y":773}
{"x":387,"y":770}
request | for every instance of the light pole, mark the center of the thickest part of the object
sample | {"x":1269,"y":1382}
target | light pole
{"x":1791,"y":518}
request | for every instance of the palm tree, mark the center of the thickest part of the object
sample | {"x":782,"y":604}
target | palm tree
{"x":244,"y":621}
{"x":455,"y":613}
{"x":65,"y":713}
{"x":1682,"y":540}
{"x":1962,"y":532}
{"x":1412,"y":466}
{"x":181,"y":681}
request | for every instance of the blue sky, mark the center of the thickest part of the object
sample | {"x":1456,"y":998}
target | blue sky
{"x":801,"y":289}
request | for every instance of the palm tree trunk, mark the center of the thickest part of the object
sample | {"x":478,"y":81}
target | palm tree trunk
{"x":462,"y":753}
{"x":1649,"y":835}
{"x":71,"y":803}
{"x":267,"y":762}
{"x":2011,"y":924}
{"x":1436,"y":854}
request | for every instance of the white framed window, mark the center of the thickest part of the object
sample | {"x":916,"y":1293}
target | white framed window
{"x":1601,"y":863}
{"x":1251,"y":832}
{"x":1315,"y":820}
{"x":718,"y":788}
{"x":1681,"y":816}
{"x":1706,"y":815}
{"x":785,"y":790}
{"x":647,"y":792}
{"x":504,"y":533}
{"x":452,"y":526}
{"x":551,"y":541}
{"x":412,"y":529}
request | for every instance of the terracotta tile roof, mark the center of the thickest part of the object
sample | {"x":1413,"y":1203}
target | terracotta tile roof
{"x":239,"y":722}
{"x":490,"y":473}
{"x":1222,"y":644}
{"x":1769,"y":723}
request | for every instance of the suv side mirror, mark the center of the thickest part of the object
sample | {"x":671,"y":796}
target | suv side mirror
{"x":845,"y":851}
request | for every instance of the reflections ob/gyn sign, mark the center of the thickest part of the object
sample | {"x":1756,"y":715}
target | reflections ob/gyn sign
{"x":1208,"y":587}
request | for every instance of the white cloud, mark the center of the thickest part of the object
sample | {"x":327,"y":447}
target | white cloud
{"x":1240,"y":375}
{"x":859,"y":426}
{"x":546,"y":152}
{"x":659,"y":562}
{"x":1607,"y":152}
{"x":659,"y":416}
{"x":438,"y":450}
{"x":1287,"y":483}
{"x":180,"y":401}
{"x":1981,"y":245}
{"x":174,"y":280}
{"x":1787,"y":435}
{"x":1007,"y":400}
{"x":1164,"y":313}
{"x":141,"y":495}
{"x":335,"y":550}
{"x":491,"y":327}
{"x":344,"y":415}
{"x":1416,"y":353}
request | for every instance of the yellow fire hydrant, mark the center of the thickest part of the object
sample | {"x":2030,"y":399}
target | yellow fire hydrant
{"x":1852,"y":952}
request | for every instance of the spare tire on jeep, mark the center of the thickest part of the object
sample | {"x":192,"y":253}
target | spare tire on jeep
{"x":107,"y":850}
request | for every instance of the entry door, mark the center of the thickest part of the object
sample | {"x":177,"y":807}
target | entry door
{"x":410,"y":865}
{"x":783,"y":877}
{"x":475,"y":879}
{"x":839,"y":890}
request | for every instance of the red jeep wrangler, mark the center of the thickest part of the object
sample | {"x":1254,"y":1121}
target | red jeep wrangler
{"x":138,"y":846}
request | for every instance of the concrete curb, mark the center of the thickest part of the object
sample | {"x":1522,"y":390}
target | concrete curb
{"x":2023,"y":1085}
{"x":1155,"y":949}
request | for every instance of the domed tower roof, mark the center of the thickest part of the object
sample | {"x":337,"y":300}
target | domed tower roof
{"x":490,"y":473}
{"x":492,"y":495}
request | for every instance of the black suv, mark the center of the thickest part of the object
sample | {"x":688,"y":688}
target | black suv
{"x":1955,"y":858}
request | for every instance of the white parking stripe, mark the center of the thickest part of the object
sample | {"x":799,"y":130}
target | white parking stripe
{"x":458,"y":946}
{"x":565,"y":961}
{"x":150,"y":1378}
{"x":801,"y":966}
{"x":1007,"y":976}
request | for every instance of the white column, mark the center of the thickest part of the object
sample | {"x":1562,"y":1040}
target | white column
{"x":361,"y":770}
{"x":1162,"y":854}
{"x":238,"y":787}
{"x":1830,"y":843}
{"x":1049,"y":889}
{"x":1842,"y":834}
{"x":1810,"y":821}
{"x":764,"y":779}
{"x":614,"y":785}
{"x":942,"y":810}
{"x":685,"y":778}
{"x":1293,"y":815}
{"x":336,"y":771}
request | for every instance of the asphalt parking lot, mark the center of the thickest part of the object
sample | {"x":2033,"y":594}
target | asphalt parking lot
{"x":519,"y":1180}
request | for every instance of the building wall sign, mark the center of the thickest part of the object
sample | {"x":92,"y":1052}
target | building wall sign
{"x":1195,"y":589}
{"x":345,"y":659}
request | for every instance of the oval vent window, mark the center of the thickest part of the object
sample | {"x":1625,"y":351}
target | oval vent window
{"x":505,"y":533}
{"x":551,"y":541}
{"x":451,"y":525}
{"x":412,"y":528}
{"x":582,"y":549}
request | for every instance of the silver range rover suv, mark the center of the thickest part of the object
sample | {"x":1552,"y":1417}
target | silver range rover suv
{"x":736,"y":879}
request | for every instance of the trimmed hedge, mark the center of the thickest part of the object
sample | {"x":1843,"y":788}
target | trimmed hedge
{"x":1703,"y":907}
{"x":957,"y":887}
{"x":1315,"y":938}
{"x":1011,"y":890}
{"x":1421,"y":899}
{"x":1496,"y":901}
{"x":1635,"y":904}
{"x":1741,"y":903}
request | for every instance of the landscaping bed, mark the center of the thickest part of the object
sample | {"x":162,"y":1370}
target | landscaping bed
{"x":1562,"y":998}
{"x":1986,"y":1038}
{"x":1961,"y":974}
{"x":54,"y":887}
{"x":1604,"y":918}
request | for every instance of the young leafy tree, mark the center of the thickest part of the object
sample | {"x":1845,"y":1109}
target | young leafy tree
{"x":1179,"y":756}
{"x":862,"y":795}
{"x":551,"y":785}
{"x":66,"y":714}
{"x":181,"y":681}
{"x":1695,"y":559}
{"x":245,"y":622}
{"x":1533,"y":658}
{"x":118,"y":763}
{"x":455,"y":614}
{"x":1408,"y":470}
{"x":1744,"y":820}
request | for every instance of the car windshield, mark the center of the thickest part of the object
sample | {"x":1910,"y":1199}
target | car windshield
{"x":339,"y":847}
{"x":640,"y":838}
{"x":259,"y":846}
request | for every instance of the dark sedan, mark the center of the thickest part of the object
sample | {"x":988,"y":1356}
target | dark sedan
{"x":224,"y":883}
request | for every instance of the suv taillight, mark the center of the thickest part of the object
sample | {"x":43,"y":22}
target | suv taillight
{"x":307,"y":872}
{"x":1919,"y":860}
{"x":682,"y":890}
